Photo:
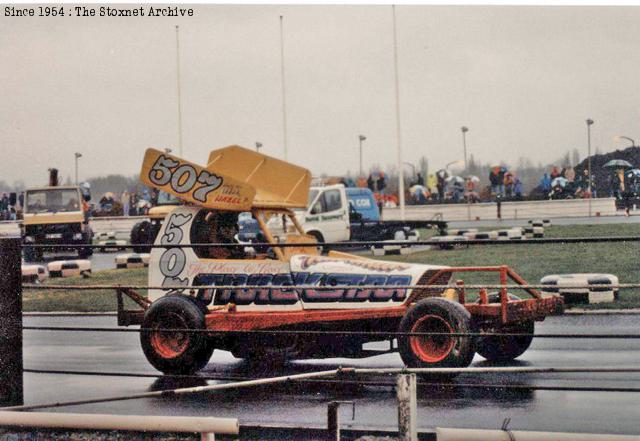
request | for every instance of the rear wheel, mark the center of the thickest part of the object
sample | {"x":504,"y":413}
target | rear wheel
{"x":439,"y":316}
{"x":507,"y":347}
{"x":179,"y":351}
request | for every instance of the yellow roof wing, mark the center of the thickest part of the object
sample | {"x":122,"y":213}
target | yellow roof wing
{"x":278,"y":184}
{"x":194,"y":184}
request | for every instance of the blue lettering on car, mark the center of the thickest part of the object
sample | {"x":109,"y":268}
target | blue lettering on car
{"x":288,"y":296}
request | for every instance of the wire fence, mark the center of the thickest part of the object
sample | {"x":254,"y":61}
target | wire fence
{"x":354,"y":244}
{"x":342,"y":376}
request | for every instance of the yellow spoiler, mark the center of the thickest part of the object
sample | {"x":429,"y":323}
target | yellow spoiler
{"x":278,"y":184}
{"x":195,"y":184}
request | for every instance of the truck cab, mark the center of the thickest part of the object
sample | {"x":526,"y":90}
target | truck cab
{"x":55,"y":215}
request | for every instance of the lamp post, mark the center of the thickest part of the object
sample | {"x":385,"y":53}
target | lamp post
{"x":464,"y":131}
{"x":589,"y":178}
{"x":361,"y":138}
{"x":619,"y":137}
{"x":258,"y":146}
{"x":78,"y":156}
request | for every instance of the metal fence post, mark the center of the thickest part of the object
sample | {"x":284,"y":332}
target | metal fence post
{"x":407,"y":407}
{"x":333,"y":421}
{"x":11,"y":386}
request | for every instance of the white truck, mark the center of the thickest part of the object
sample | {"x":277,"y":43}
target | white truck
{"x":338,"y":214}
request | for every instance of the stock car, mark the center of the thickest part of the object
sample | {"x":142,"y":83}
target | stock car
{"x":209,"y":303}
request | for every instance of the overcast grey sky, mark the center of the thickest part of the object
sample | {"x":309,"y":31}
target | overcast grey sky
{"x":523,"y":79}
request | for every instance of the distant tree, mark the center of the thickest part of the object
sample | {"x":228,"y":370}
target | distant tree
{"x":423,"y":166}
{"x":575,"y":157}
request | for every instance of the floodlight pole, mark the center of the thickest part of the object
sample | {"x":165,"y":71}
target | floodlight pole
{"x":398,"y":127}
{"x":78,"y":156}
{"x":361,"y":138}
{"x":589,"y":124}
{"x":464,"y":131}
{"x":284,"y":96}
{"x":258,"y":146}
{"x":179,"y":93}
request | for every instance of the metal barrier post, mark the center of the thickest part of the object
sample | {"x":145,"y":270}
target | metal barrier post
{"x":333,"y":421}
{"x":407,"y":407}
{"x":11,"y":386}
{"x":333,"y":418}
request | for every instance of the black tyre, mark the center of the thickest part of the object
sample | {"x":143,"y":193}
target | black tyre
{"x":175,"y":352}
{"x":142,"y":233}
{"x":506,"y":348}
{"x":436,"y":315}
{"x":85,"y":252}
{"x":33,"y":254}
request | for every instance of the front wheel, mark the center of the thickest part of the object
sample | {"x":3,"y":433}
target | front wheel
{"x":142,"y":237}
{"x":179,"y":351}
{"x":440,"y":317}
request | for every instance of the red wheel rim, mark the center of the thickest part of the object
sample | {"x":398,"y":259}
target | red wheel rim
{"x":170,"y":344}
{"x":431,"y":348}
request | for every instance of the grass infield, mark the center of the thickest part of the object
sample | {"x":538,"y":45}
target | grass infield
{"x":531,"y":261}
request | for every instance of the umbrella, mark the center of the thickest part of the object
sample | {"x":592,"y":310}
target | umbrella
{"x":618,"y":163}
{"x":473,"y":178}
{"x":634,"y":173}
{"x":455,"y":179}
{"x":562,"y":182}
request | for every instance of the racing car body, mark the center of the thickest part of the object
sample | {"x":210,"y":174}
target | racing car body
{"x":291,"y":301}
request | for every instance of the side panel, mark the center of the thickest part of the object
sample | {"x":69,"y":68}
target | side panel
{"x":328,"y":271}
{"x":175,"y":267}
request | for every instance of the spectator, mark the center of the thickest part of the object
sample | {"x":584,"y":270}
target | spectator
{"x":470,"y":194}
{"x":362,"y":182}
{"x":545,"y":183}
{"x":570,"y":174}
{"x":508,"y":184}
{"x":371,"y":183}
{"x":517,"y":188}
{"x":494,"y":179}
{"x":420,"y":179}
{"x":457,"y":190}
{"x":441,"y":177}
{"x":381,"y":183}
{"x":554,"y":172}
{"x":432,"y":184}
{"x":623,"y":192}
{"x":4,"y":207}
{"x":124,"y":200}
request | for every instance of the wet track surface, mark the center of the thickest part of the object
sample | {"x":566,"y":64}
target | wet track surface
{"x":455,"y":405}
